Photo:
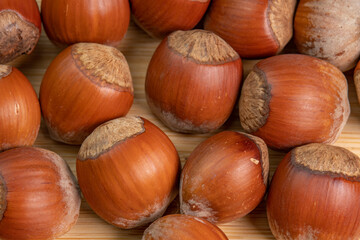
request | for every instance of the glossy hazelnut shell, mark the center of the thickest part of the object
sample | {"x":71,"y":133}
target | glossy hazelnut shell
{"x":20,"y":28}
{"x":39,"y":197}
{"x":190,"y":96}
{"x":19,"y":110}
{"x":255,"y":29}
{"x":178,"y":226}
{"x":310,"y":204}
{"x":328,"y":29}
{"x":225,"y":177}
{"x":67,"y":22}
{"x":132,"y":182}
{"x":162,"y":17}
{"x":291,"y":100}
{"x":74,"y":102}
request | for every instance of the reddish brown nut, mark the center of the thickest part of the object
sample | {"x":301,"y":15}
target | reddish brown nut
{"x":329,"y":30}
{"x":291,"y":100}
{"x":162,"y":17}
{"x":315,"y":194}
{"x":183,"y":227}
{"x":128,"y":171}
{"x":86,"y":84}
{"x":225,"y":177}
{"x":193,"y":81}
{"x":67,"y":21}
{"x":39,"y":198}
{"x":20,"y":27}
{"x":19,"y":109}
{"x":255,"y":29}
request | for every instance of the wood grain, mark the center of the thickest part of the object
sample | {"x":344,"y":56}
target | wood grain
{"x":138,"y":48}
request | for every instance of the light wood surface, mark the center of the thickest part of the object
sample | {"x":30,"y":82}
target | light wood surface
{"x":138,"y":48}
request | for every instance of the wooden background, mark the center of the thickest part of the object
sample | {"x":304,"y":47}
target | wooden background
{"x":138,"y":48}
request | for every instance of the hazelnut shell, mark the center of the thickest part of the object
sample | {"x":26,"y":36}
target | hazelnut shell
{"x":178,"y":226}
{"x":192,"y":81}
{"x":162,"y":17}
{"x":128,"y":171}
{"x":39,"y":198}
{"x":20,"y":28}
{"x":329,"y":30}
{"x":19,"y":109}
{"x":86,"y":85}
{"x":291,"y":100}
{"x":225,"y":177}
{"x":314,"y":194}
{"x":67,"y":21}
{"x":255,"y":29}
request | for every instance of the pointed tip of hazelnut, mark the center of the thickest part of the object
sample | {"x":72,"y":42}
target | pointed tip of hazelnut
{"x":5,"y":70}
{"x":254,"y":101}
{"x":102,"y":64}
{"x":104,"y":137}
{"x":327,"y":159}
{"x":263,"y":149}
{"x":202,"y":47}
{"x":281,"y":14}
{"x":21,"y":36}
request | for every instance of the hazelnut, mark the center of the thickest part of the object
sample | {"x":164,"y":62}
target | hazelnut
{"x":192,"y":81}
{"x":67,"y":21}
{"x":39,"y":198}
{"x":225,"y":177}
{"x":177,"y":226}
{"x":85,"y":85}
{"x":20,"y":28}
{"x":255,"y":29}
{"x":315,"y":194}
{"x":329,"y":30}
{"x":291,"y":100}
{"x":19,"y":109}
{"x":162,"y":17}
{"x":128,"y":171}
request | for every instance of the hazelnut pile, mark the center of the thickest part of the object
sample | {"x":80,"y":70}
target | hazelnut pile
{"x":293,"y":100}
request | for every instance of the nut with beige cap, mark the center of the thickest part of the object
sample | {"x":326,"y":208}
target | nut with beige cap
{"x":315,"y":194}
{"x":128,"y":171}
{"x":192,"y":81}
{"x":86,"y":85}
{"x":291,"y":100}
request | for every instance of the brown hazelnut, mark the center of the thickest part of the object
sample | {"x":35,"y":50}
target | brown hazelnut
{"x":291,"y":100}
{"x":315,"y":194}
{"x":193,"y":81}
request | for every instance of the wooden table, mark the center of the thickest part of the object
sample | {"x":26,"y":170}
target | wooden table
{"x":138,"y":48}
